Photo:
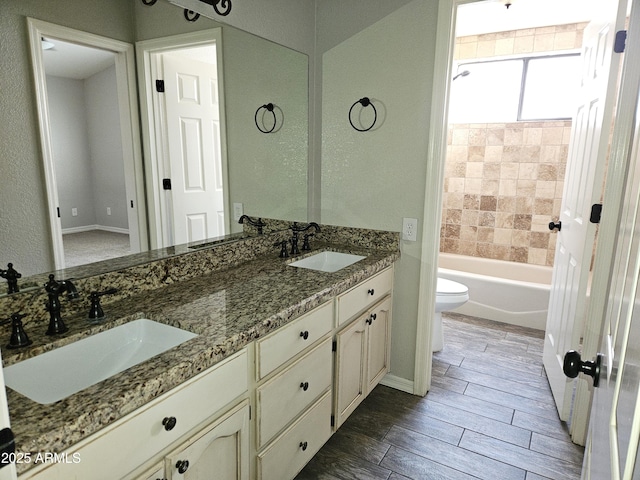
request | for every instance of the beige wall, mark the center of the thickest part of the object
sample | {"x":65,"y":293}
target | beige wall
{"x":503,"y":182}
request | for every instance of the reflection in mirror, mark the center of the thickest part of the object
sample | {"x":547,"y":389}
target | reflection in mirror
{"x":87,"y":154}
{"x":267,"y":174}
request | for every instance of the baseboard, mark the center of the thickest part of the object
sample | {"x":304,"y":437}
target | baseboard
{"x":88,"y":228}
{"x":398,"y":383}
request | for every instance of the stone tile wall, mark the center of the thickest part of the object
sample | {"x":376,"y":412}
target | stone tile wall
{"x":503,"y":182}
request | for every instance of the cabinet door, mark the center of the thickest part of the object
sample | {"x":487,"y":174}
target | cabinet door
{"x":378,"y":342}
{"x":350,"y":365}
{"x":223,"y":449}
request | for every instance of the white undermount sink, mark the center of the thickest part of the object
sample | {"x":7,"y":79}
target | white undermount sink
{"x":56,"y":374}
{"x":327,"y":261}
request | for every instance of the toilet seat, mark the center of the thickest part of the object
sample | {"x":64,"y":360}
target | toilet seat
{"x":446,"y":287}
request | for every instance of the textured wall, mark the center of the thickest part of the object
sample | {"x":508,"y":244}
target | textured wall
{"x":373,"y":179}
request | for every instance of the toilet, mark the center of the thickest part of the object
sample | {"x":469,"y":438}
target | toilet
{"x":449,"y":295}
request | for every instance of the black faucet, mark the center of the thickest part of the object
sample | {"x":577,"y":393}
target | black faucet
{"x":295,"y":228}
{"x":18,"y":337}
{"x":95,"y":311}
{"x":54,"y":289}
{"x":12,"y":277}
{"x":256,"y":223}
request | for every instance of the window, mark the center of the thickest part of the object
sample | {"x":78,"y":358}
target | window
{"x":521,"y":89}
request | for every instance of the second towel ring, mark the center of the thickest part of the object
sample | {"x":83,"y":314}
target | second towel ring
{"x":365,"y":102}
{"x":269,"y":107}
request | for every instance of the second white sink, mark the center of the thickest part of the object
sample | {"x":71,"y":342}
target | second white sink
{"x":327,"y":261}
{"x":64,"y":371}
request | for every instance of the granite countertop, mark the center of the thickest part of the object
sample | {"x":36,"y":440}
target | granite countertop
{"x":228,"y":309}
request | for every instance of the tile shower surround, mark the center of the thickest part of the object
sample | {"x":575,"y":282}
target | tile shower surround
{"x":503,"y":181}
{"x":503,"y":184}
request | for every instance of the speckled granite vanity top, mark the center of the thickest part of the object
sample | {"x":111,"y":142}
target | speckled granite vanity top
{"x":228,"y":309}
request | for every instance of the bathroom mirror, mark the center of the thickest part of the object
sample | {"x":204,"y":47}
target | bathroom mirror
{"x":267,"y":174}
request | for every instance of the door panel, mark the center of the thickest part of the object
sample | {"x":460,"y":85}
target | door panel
{"x":583,"y":187}
{"x":193,"y":136}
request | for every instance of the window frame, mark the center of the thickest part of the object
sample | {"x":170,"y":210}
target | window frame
{"x":523,"y":79}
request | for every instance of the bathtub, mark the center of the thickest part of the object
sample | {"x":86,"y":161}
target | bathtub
{"x":508,"y":292}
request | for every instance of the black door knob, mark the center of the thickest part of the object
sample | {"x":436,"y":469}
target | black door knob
{"x":552,"y":226}
{"x":573,"y":365}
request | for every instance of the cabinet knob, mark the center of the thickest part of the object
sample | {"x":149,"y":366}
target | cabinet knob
{"x":303,"y":446}
{"x":169,"y":423}
{"x":304,"y":386}
{"x":368,"y":321}
{"x":304,"y":335}
{"x":371,"y":291}
{"x":182,"y":465}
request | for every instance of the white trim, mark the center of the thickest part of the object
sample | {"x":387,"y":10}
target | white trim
{"x":398,"y":383}
{"x":127,"y":101}
{"x":432,"y":215}
{"x":153,"y":123}
{"x":89,"y":228}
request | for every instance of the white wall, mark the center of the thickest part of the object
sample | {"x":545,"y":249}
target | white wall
{"x":87,"y":150}
{"x":373,"y":179}
{"x":105,"y":140}
{"x":71,"y":150}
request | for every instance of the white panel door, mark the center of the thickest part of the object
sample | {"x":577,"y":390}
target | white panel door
{"x":193,"y":136}
{"x":583,"y":187}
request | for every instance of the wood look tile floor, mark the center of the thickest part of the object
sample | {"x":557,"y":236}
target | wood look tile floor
{"x":489,"y":415}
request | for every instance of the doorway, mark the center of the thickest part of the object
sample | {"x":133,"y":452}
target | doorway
{"x":442,"y":86}
{"x":88,"y":128}
{"x":183,"y":131}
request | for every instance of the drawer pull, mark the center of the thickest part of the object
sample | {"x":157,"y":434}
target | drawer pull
{"x":371,"y":291}
{"x":303,"y":446}
{"x":304,"y":335}
{"x":304,"y":386}
{"x":169,"y":423}
{"x":182,"y":465}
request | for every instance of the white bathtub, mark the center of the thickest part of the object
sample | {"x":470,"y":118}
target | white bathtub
{"x":508,"y":292}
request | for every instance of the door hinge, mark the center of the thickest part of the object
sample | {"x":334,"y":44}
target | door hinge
{"x":334,"y":346}
{"x":596,"y":213}
{"x":620,"y":42}
{"x":160,"y":86}
{"x":58,"y":211}
{"x":249,"y":412}
{"x":166,"y":184}
{"x":333,"y":420}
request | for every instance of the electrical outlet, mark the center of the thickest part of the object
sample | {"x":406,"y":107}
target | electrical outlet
{"x":108,"y":210}
{"x":74,"y":212}
{"x":410,"y":229}
{"x":238,"y":210}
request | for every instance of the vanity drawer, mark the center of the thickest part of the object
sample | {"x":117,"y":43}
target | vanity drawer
{"x":286,"y":456}
{"x":282,"y":345}
{"x":363,"y":295}
{"x":286,"y":395}
{"x":140,"y":436}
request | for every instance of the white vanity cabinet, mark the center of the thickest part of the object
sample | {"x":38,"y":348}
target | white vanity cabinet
{"x":363,"y":344}
{"x":220,"y":451}
{"x":293,"y":394}
{"x":139,"y":440}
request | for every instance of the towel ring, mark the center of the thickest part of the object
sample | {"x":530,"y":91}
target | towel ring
{"x":365,"y":102}
{"x":269,"y":107}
